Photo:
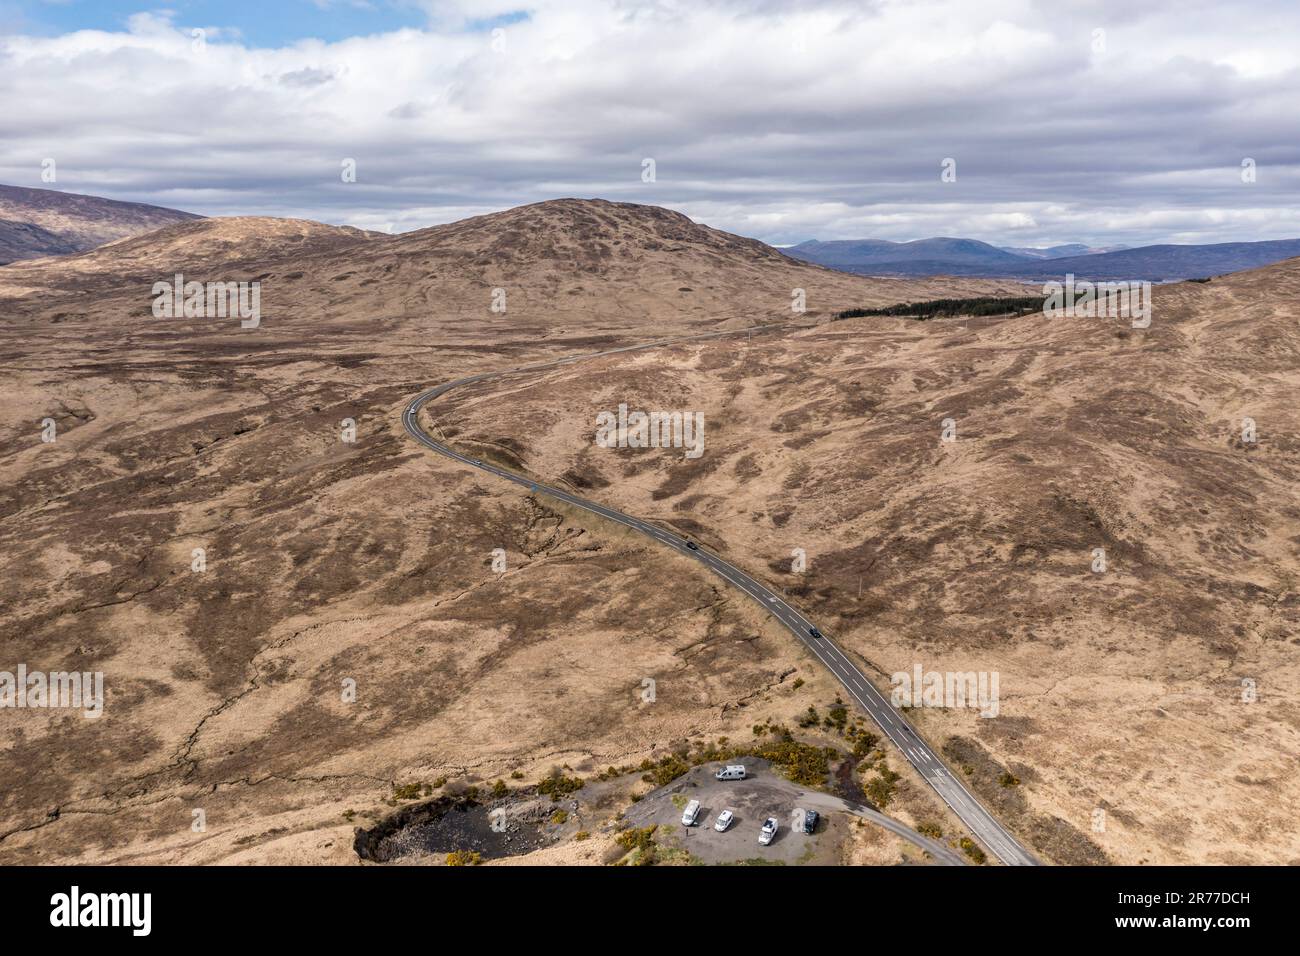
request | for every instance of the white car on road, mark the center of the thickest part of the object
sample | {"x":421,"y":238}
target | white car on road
{"x":723,"y":821}
{"x":768,"y":833}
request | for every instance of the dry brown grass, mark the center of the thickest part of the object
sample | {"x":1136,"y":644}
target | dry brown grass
{"x":1120,"y":691}
{"x":326,"y":561}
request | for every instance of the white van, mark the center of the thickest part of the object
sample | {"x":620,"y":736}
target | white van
{"x":691,"y":813}
{"x":736,"y":772}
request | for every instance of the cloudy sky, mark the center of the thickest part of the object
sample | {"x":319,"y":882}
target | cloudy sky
{"x":1114,"y":121}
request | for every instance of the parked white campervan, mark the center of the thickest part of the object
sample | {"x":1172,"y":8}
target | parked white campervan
{"x":736,"y":772}
{"x":691,"y":813}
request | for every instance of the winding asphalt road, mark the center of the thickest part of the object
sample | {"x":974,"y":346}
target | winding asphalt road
{"x":982,"y":825}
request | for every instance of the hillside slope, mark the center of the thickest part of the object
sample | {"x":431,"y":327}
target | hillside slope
{"x":47,"y":222}
{"x":326,"y":560}
{"x":1134,"y":687}
{"x":546,"y":268}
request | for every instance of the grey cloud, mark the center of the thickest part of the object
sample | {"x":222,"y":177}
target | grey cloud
{"x":306,"y":77}
{"x":839,"y":134}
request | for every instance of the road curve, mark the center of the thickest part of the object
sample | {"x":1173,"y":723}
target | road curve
{"x":942,"y":855}
{"x":982,"y":825}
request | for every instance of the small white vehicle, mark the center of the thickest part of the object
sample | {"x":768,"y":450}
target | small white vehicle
{"x":735,"y":772}
{"x":691,"y":814}
{"x":723,"y":821}
{"x":768,"y":833}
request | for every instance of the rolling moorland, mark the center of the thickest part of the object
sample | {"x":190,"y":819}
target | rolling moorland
{"x":328,"y":562}
{"x":1160,"y":690}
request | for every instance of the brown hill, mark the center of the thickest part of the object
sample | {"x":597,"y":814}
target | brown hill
{"x":593,"y":262}
{"x":593,"y":235}
{"x":47,"y":222}
{"x":234,"y":244}
{"x":561,"y":266}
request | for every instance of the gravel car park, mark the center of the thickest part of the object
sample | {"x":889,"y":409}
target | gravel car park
{"x":763,"y":793}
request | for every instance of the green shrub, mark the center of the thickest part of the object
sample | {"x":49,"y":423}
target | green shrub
{"x":407,"y":791}
{"x":880,"y":789}
{"x":637,"y":838}
{"x":802,"y":763}
{"x":986,"y":305}
{"x":864,"y":743}
{"x":464,"y":858}
{"x":641,"y":842}
{"x":665,"y":770}
{"x":838,"y":716}
{"x":972,"y":850}
{"x":558,"y":786}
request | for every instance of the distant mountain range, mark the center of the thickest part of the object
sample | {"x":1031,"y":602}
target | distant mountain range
{"x":1060,"y":252}
{"x":970,"y":257}
{"x":48,"y":222}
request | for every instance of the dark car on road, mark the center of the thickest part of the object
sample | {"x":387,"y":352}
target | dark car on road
{"x":814,"y":632}
{"x":810,"y":818}
{"x":692,"y":545}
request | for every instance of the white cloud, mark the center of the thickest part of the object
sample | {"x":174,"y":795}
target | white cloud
{"x":776,"y":120}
